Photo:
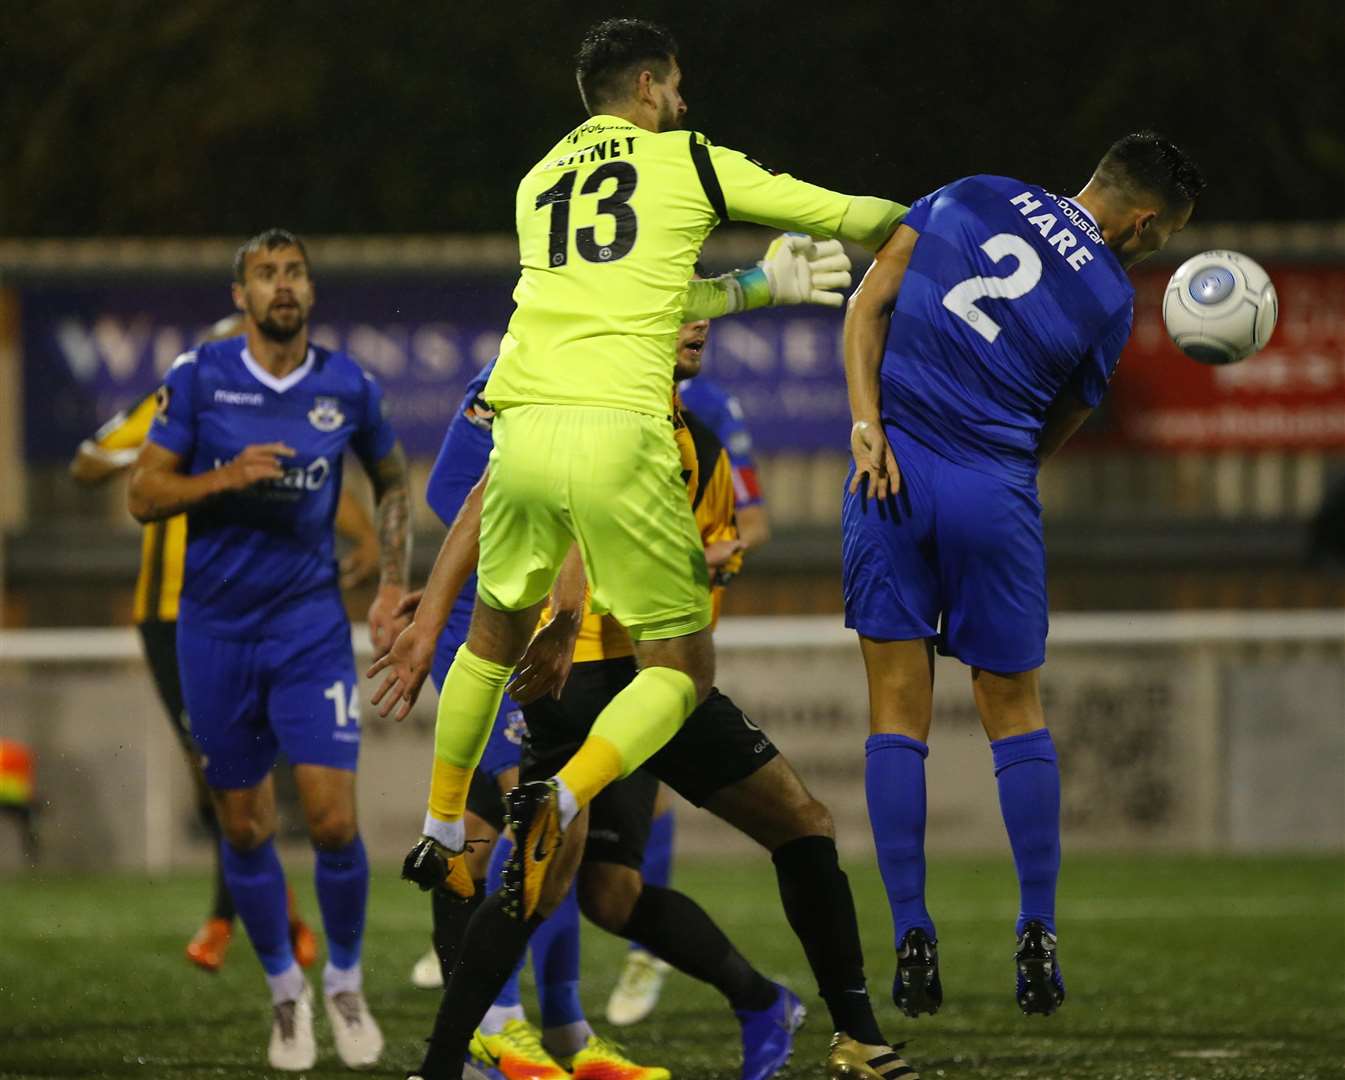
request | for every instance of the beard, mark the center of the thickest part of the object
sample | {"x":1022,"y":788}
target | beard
{"x":668,"y":118}
{"x":282,"y":326}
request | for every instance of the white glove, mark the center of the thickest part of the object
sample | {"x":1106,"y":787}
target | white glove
{"x":801,"y":270}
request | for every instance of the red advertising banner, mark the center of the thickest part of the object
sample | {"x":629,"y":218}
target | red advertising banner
{"x":1289,"y":396}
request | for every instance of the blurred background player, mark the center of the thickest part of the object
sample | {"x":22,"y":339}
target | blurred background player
{"x":981,"y":338}
{"x":249,"y":441}
{"x":111,"y":451}
{"x":640,"y":983}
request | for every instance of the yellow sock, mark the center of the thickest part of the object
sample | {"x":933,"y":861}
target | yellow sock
{"x":595,"y":765}
{"x":468,"y":704}
{"x":449,"y":785}
{"x":630,"y":730}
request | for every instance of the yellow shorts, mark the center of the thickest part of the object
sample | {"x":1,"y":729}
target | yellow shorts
{"x":610,"y":480}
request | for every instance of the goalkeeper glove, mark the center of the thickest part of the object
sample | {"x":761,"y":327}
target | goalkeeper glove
{"x":795,"y":270}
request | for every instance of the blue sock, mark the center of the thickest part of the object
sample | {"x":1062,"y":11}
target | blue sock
{"x":658,"y":853}
{"x":257,"y":884}
{"x":509,"y":993}
{"x":555,"y":962}
{"x":894,"y":781}
{"x":1029,"y":799}
{"x":342,"y":883}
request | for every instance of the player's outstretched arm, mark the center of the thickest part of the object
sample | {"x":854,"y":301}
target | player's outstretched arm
{"x":795,"y":269}
{"x":407,"y":663}
{"x":158,"y":488}
{"x":93,"y":465}
{"x":114,"y":447}
{"x":392,"y":502}
{"x":866,"y":324}
{"x":741,"y":190}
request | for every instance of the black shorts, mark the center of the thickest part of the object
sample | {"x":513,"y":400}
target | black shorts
{"x":716,"y":747}
{"x":486,"y":801}
{"x":160,"y":641}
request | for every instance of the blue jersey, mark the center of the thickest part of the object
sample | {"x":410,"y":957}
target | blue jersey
{"x":1011,"y":296}
{"x":461,"y":462}
{"x":724,"y":416}
{"x":261,"y":562}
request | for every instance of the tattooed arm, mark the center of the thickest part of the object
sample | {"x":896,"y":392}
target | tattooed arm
{"x":392,"y":499}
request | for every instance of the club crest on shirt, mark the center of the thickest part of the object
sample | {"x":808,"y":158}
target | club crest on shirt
{"x":326,"y":414}
{"x":515,"y":727}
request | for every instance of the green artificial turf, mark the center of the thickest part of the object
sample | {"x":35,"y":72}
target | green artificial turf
{"x":1200,"y":967}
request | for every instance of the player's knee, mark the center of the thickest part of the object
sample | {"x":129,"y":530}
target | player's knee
{"x":332,"y":830}
{"x":806,"y":817}
{"x":608,"y":899}
{"x":816,"y":819}
{"x":243,"y":832}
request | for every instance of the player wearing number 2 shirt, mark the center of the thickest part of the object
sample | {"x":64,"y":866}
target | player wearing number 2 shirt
{"x":981,"y":338}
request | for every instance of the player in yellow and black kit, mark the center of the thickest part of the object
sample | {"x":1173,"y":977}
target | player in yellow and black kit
{"x":163,"y":544}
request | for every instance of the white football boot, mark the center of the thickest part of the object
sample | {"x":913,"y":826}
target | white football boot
{"x":358,"y":1039}
{"x":293,"y":1047}
{"x":426,"y":974}
{"x":637,"y":990}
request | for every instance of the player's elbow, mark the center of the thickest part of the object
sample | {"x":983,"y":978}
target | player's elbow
{"x":86,"y":469}
{"x":138,"y":500}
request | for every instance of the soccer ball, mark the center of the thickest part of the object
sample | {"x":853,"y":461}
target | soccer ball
{"x":1220,"y":307}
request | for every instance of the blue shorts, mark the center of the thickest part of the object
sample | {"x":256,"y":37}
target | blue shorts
{"x":247,"y":700}
{"x":506,"y":738}
{"x":956,"y":555}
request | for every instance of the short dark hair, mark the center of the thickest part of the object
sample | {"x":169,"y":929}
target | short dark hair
{"x":1145,"y":163}
{"x":610,"y":53}
{"x":267,"y":241}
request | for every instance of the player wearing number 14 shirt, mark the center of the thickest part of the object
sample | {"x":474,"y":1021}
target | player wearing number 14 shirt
{"x":981,"y":338}
{"x":248,"y":442}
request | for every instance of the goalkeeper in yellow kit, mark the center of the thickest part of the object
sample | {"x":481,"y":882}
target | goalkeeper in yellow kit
{"x":610,"y":223}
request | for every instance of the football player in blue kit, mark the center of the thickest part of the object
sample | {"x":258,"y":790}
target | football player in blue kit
{"x":248,"y":441}
{"x":982,"y":336}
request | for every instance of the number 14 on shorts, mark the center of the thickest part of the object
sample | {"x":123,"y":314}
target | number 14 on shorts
{"x":345,"y":703}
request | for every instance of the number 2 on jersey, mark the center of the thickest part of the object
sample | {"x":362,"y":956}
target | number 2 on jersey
{"x":616,"y":205}
{"x":961,"y":298}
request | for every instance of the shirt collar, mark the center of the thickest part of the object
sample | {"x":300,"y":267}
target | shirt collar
{"x":267,"y":379}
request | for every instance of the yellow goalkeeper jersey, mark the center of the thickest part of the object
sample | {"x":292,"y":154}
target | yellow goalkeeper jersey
{"x":610,"y":223}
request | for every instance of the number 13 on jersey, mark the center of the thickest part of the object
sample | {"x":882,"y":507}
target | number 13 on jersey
{"x":604,"y":241}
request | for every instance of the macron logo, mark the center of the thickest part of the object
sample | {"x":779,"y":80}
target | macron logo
{"x":237,"y":397}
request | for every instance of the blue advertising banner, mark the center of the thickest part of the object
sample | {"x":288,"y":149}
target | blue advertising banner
{"x":91,"y":350}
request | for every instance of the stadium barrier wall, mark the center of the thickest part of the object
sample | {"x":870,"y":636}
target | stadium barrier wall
{"x":1215,"y":731}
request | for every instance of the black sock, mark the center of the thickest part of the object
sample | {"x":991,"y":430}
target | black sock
{"x":677,"y":930}
{"x":821,"y":910}
{"x":223,"y":906}
{"x":491,"y":947}
{"x":451,"y":914}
